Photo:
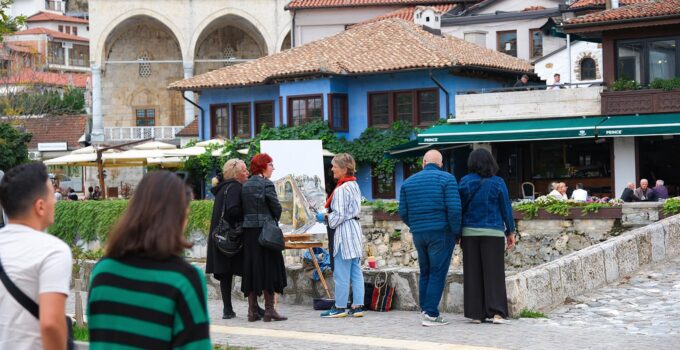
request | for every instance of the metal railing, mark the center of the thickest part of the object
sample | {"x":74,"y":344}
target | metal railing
{"x":130,"y":133}
{"x":528,"y":87}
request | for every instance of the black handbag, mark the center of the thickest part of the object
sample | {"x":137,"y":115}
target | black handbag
{"x":33,"y":307}
{"x":227,"y":238}
{"x":271,"y":236}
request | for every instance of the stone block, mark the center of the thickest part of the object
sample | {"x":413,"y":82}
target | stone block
{"x":643,"y":239}
{"x":557,"y":290}
{"x":538,"y":288}
{"x":672,"y":228}
{"x":658,"y":242}
{"x":611,"y":265}
{"x":516,"y":289}
{"x":627,"y":254}
{"x":403,"y":289}
{"x":593,"y":268}
{"x":571,"y":274}
{"x":454,"y":297}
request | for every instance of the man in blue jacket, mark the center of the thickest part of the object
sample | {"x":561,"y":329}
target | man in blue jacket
{"x":430,"y":205}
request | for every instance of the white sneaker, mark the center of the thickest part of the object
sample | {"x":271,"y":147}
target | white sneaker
{"x":499,"y":320}
{"x":429,"y":321}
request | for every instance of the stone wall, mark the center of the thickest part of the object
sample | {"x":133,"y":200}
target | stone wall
{"x":639,"y":214}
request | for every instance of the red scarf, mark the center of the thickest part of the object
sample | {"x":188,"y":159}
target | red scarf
{"x":340,"y":182}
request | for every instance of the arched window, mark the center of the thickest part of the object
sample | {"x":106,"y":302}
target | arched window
{"x":587,"y":69}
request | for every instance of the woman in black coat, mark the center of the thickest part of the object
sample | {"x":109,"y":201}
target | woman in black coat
{"x":264,"y":271}
{"x":224,"y":268}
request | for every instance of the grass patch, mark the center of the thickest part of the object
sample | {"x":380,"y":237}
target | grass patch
{"x":80,"y":333}
{"x":525,"y":313}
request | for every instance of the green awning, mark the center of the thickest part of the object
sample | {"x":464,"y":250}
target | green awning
{"x":640,"y":125}
{"x":508,"y":131}
{"x":407,"y":150}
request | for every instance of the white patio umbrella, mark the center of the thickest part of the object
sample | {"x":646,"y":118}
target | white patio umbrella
{"x":198,"y":149}
{"x":86,"y":156}
{"x":139,"y":154}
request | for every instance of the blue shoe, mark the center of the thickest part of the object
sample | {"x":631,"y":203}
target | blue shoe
{"x":357,"y":312}
{"x":334,"y":313}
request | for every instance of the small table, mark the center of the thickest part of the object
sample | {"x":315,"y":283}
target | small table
{"x":301,"y":241}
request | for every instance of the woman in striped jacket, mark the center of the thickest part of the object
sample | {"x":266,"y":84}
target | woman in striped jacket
{"x":344,"y":206}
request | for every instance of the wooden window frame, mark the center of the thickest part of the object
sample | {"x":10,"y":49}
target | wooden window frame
{"x":374,"y":186}
{"x":392,"y":107}
{"x":644,"y":55}
{"x":145,"y":108}
{"x":344,"y":125}
{"x":581,"y":70}
{"x":60,"y":28}
{"x":290,"y":100}
{"x":531,"y":42}
{"x":258,"y":125}
{"x":213,"y":124}
{"x":74,"y":30}
{"x":498,"y":41}
{"x":234,"y":123}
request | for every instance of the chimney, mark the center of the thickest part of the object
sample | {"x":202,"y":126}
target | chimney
{"x":611,"y":4}
{"x":428,"y":17}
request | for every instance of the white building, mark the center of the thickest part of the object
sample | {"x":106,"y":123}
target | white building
{"x":583,"y":66}
{"x":29,"y":7}
{"x":59,"y":23}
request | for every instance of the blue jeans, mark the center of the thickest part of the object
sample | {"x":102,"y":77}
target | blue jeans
{"x":347,"y":270}
{"x":434,"y":258}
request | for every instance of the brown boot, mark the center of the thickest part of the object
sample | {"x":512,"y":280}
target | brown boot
{"x":253,"y":314}
{"x":269,"y":311}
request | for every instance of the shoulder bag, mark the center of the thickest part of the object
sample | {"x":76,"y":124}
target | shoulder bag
{"x":227,"y":238}
{"x":271,"y":236}
{"x":31,"y":306}
{"x":379,"y":296}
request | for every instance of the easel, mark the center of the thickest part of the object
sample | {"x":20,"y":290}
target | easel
{"x":301,"y":241}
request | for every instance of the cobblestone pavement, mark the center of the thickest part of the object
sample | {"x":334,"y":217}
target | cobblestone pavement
{"x":640,"y":313}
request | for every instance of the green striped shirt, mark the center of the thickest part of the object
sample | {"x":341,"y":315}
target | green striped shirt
{"x":482,"y":232}
{"x":140,"y":303}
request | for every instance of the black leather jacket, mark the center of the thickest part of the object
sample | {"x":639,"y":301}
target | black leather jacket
{"x":259,"y":202}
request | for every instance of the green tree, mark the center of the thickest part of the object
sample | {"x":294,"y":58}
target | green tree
{"x":13,"y":146}
{"x":8,"y":24}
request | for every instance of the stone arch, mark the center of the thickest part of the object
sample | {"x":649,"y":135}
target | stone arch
{"x":285,"y":40}
{"x":579,"y":60}
{"x":114,"y":28}
{"x":227,"y":36}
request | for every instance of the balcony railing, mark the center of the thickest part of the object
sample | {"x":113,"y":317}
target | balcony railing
{"x":640,"y":102}
{"x":132,"y":133}
{"x":528,"y":102}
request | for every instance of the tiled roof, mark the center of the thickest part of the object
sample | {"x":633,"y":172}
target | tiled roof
{"x":646,"y":10}
{"x":314,"y":4}
{"x":601,"y":3}
{"x":58,"y":128}
{"x":30,"y":77}
{"x":406,"y":13}
{"x":18,"y":47}
{"x":53,"y":33}
{"x":534,"y":8}
{"x":43,"y":16}
{"x":189,"y":130}
{"x":385,"y":46}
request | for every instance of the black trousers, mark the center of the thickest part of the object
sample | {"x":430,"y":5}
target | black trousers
{"x":484,"y":277}
{"x":225,"y":289}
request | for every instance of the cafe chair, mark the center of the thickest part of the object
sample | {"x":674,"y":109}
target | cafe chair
{"x":528,"y":190}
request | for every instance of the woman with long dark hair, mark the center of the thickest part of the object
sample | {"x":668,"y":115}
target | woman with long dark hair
{"x":143,"y":294}
{"x":264,"y":271}
{"x":223,"y":268}
{"x":487,"y":225}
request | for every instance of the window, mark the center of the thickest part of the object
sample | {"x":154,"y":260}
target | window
{"x":427,"y":107}
{"x":379,"y":109}
{"x":383,"y":184}
{"x":61,"y":28}
{"x":339,"y":118}
{"x":264,"y":115}
{"x":145,"y":117}
{"x":507,"y":42}
{"x":536,"y":42}
{"x":219,"y":127}
{"x":75,"y":30}
{"x":145,"y":66}
{"x":241,"y":120}
{"x":410,"y":169}
{"x":478,"y":38}
{"x":56,"y":53}
{"x":588,"y":69}
{"x":416,"y":107}
{"x":68,"y":30}
{"x":79,"y":55}
{"x":304,"y":109}
{"x":649,"y":59}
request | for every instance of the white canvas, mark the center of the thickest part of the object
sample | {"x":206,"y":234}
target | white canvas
{"x":301,"y":160}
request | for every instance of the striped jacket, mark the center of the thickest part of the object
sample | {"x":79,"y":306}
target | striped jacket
{"x":345,"y":208}
{"x":139,"y":303}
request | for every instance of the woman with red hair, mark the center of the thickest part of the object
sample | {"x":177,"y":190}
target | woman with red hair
{"x":263,"y":269}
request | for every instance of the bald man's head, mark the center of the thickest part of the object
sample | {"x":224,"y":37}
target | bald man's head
{"x":433,"y":157}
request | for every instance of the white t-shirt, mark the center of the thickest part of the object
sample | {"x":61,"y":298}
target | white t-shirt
{"x":579,"y":195}
{"x":37,"y":263}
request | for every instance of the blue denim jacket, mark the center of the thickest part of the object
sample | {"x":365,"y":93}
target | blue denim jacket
{"x":490,"y":207}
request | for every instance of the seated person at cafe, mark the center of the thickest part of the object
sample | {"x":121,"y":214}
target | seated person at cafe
{"x":557,"y":84}
{"x":660,"y":190}
{"x":559,"y":191}
{"x":522,"y":82}
{"x":644,"y":193}
{"x":627,"y":195}
{"x":579,"y":194}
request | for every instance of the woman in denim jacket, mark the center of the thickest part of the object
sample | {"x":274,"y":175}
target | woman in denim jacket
{"x":487,"y":222}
